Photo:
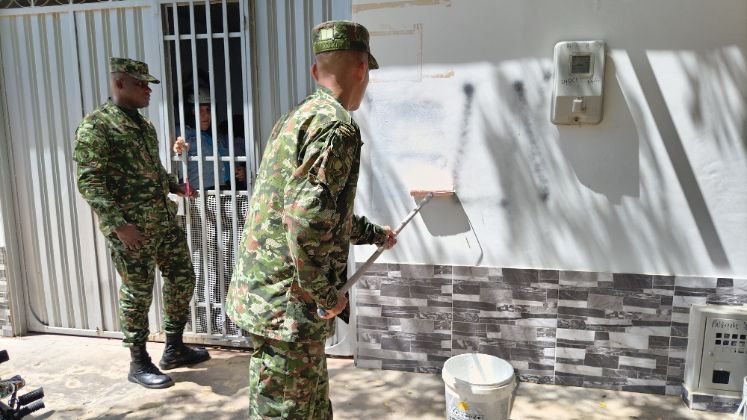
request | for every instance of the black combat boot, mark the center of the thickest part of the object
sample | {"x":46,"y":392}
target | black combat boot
{"x":144,"y":372}
{"x":176,"y":354}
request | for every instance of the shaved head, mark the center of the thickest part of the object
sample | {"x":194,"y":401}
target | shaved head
{"x":340,"y":61}
{"x":344,"y":72}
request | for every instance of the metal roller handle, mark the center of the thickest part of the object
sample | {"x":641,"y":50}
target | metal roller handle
{"x":363,"y":268}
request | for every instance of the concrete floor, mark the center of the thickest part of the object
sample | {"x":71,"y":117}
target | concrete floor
{"x":85,"y":378}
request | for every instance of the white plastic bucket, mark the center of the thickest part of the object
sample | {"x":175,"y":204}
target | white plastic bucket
{"x":478,"y":387}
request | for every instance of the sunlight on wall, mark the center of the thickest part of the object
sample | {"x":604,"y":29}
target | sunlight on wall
{"x":655,"y":188}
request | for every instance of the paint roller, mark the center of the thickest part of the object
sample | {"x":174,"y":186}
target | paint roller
{"x":425,"y":196}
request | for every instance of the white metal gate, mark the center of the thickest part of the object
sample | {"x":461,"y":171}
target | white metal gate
{"x":54,"y":71}
{"x":55,"y":67}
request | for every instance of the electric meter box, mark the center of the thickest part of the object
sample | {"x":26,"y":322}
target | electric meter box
{"x":716,"y":361}
{"x":578,"y":83}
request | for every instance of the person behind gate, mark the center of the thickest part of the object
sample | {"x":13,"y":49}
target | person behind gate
{"x":198,"y":141}
{"x":121,"y":176}
{"x":294,"y":248}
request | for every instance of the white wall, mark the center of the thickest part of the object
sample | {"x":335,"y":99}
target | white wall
{"x":463,"y":93}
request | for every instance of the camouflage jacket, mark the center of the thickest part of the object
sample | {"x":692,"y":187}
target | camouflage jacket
{"x":119,"y":172}
{"x":294,"y":248}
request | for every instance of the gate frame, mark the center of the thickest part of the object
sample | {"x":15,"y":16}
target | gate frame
{"x":278,"y":31}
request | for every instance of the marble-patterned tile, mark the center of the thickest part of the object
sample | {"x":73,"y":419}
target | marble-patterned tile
{"x":583,"y":279}
{"x":416,"y":271}
{"x":520,"y":277}
{"x":625,"y":281}
{"x":605,"y":302}
{"x":695,"y":282}
{"x":613,"y":331}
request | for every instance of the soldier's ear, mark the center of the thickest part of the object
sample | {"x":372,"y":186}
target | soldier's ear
{"x":117,"y":81}
{"x":315,"y":71}
{"x":361,"y":70}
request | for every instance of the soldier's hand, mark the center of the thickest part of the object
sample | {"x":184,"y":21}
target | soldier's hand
{"x":391,"y":238}
{"x":180,"y":145}
{"x":342,"y":301}
{"x":186,"y":190}
{"x":130,"y":236}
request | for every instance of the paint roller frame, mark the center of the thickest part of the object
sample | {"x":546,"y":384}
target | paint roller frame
{"x":425,"y":197}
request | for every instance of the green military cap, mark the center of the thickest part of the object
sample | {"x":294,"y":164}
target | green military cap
{"x":342,"y":35}
{"x":134,"y":68}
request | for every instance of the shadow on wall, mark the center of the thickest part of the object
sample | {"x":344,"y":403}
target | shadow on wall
{"x":615,"y":170}
{"x":610,"y":237}
{"x":678,"y":156}
{"x":445,"y":216}
{"x":606,"y":198}
{"x":547,"y":214}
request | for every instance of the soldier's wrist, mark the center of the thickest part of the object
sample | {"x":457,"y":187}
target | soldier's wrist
{"x":330,"y":301}
{"x":121,"y":227}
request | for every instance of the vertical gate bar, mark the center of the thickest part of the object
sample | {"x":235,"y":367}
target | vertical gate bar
{"x":116,"y":44}
{"x":48,"y":243}
{"x":64,"y":168}
{"x":200,"y":159}
{"x":297,"y":50}
{"x":58,"y":140}
{"x":130,"y":46}
{"x":30,"y":29}
{"x":283,"y":63}
{"x":304,"y":52}
{"x":232,"y":153}
{"x":100,"y":57}
{"x":136,"y":44}
{"x":182,"y":130}
{"x":251,"y":145}
{"x":217,"y":160}
{"x":85,"y":65}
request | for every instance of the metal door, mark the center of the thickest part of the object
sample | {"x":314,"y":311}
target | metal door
{"x":55,"y":62}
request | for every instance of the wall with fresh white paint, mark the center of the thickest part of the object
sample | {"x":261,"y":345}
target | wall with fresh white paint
{"x":463,"y":98}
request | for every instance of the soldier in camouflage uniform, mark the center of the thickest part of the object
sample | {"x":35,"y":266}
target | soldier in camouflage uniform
{"x":294,"y":247}
{"x":121,"y":176}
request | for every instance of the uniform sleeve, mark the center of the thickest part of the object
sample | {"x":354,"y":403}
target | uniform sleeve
{"x":310,"y":206}
{"x":171,"y":178}
{"x":91,"y":153}
{"x":173,"y":184}
{"x":365,"y":232}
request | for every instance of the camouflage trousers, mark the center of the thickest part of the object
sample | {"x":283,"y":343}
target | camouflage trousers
{"x":168,"y":251}
{"x":288,"y":381}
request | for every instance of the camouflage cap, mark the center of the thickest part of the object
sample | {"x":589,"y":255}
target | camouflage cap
{"x":342,"y":35}
{"x":134,"y":68}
